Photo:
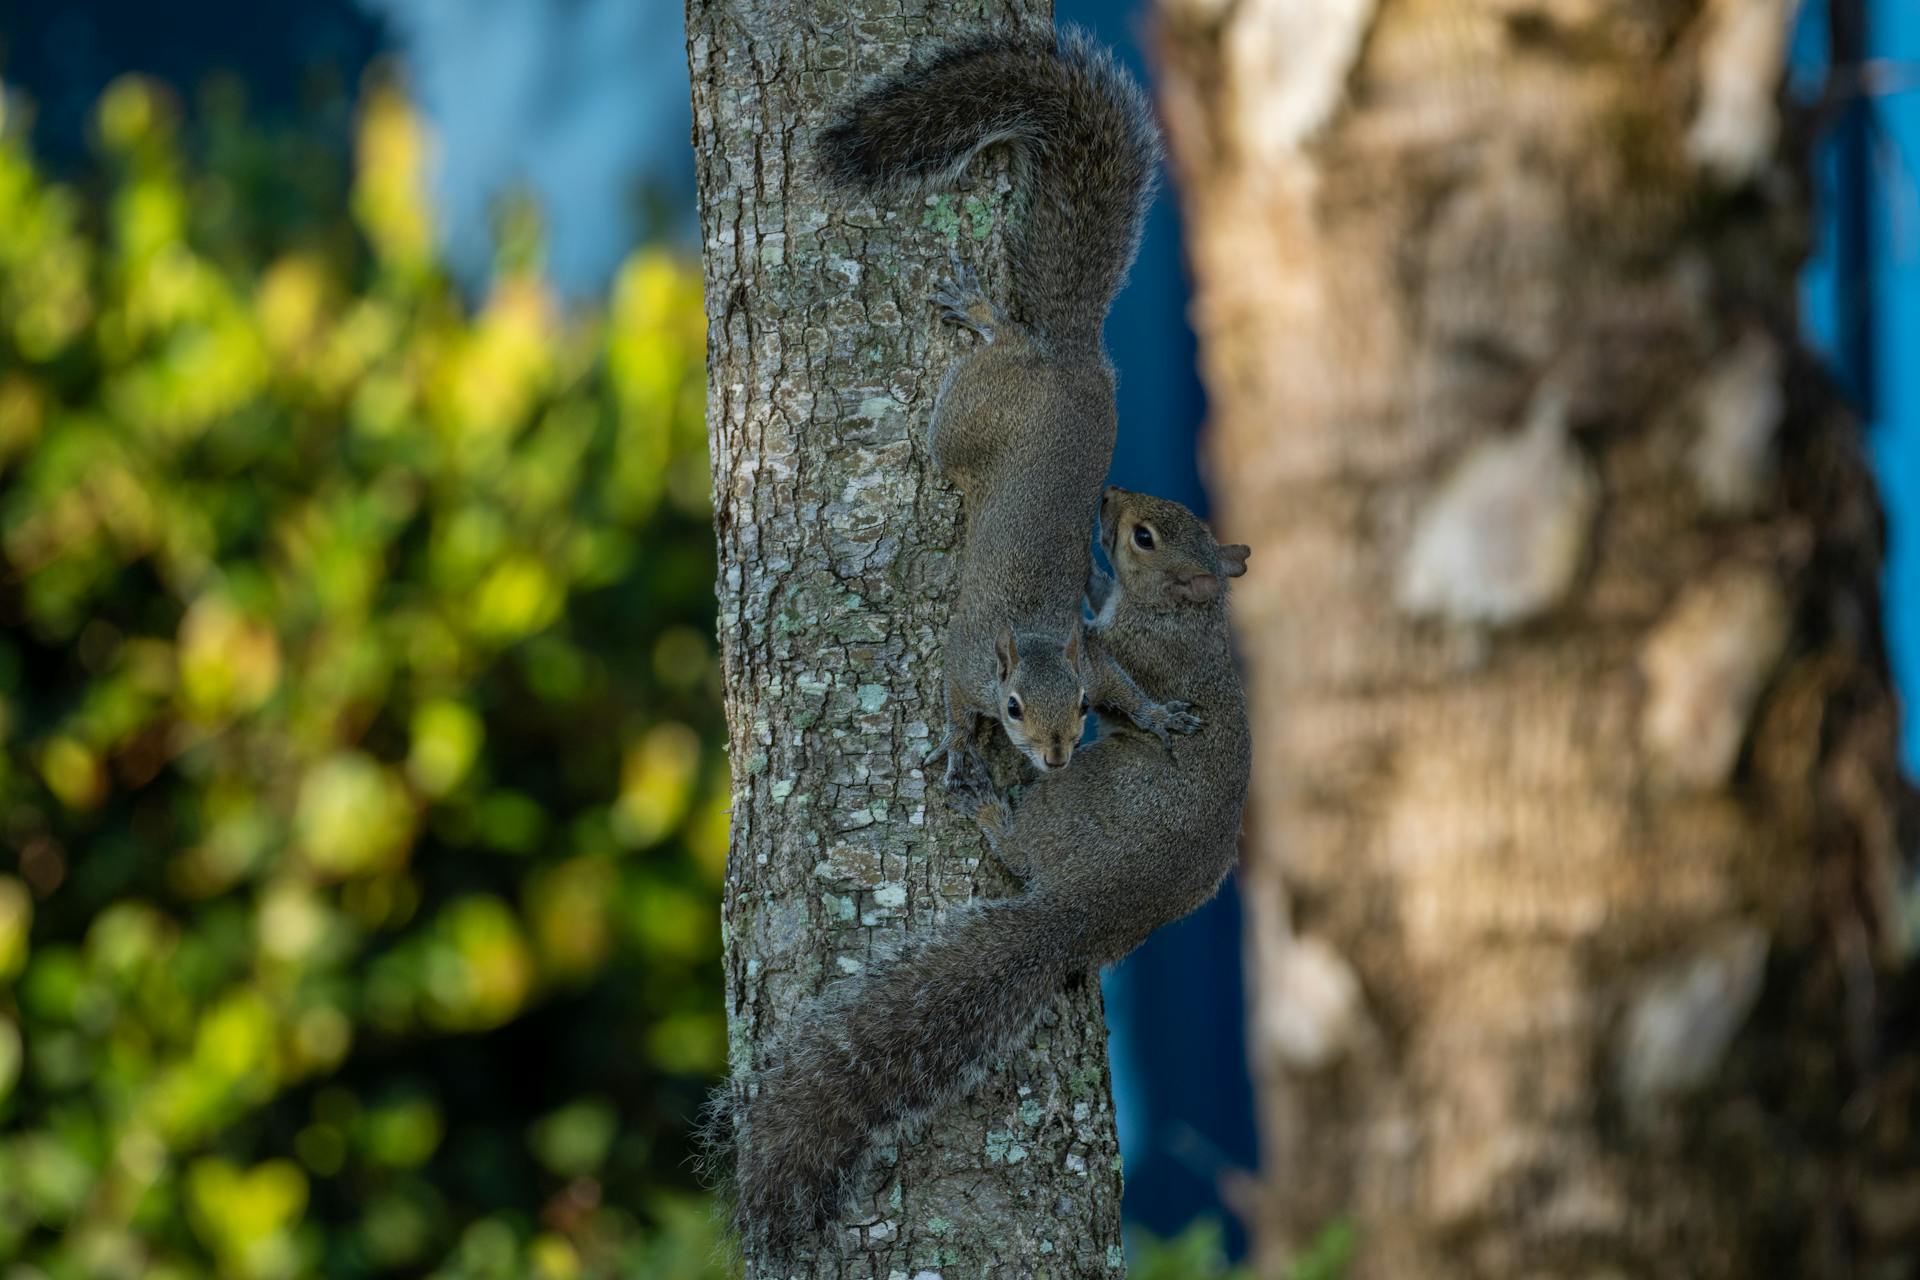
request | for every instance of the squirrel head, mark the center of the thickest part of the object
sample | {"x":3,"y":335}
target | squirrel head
{"x":1163,"y":552}
{"x":1043,"y":695}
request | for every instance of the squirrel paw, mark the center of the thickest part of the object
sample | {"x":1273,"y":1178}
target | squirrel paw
{"x":995,"y":818}
{"x":962,"y":302}
{"x":980,"y":800}
{"x":1182,"y":718}
{"x":972,"y":797}
{"x":1165,"y":719}
{"x":944,"y":749}
{"x":966,"y":771}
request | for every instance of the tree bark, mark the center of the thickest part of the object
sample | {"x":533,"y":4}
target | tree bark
{"x":1575,"y":886}
{"x":836,"y":572}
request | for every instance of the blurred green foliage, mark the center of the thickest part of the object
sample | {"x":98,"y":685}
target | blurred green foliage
{"x":1329,"y":1255}
{"x":360,"y":767}
{"x":1199,"y":1252}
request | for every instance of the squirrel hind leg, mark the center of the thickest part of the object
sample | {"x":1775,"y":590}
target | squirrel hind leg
{"x":964,"y":303}
{"x":995,"y":818}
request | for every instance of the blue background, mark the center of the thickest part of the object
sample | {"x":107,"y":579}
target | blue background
{"x":1861,"y":290}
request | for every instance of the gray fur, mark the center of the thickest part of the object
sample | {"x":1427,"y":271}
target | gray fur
{"x":1086,"y":145}
{"x":1136,"y":834}
{"x":1024,"y":425}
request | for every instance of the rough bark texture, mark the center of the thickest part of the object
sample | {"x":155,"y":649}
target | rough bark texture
{"x":836,"y":571}
{"x":1576,"y":882}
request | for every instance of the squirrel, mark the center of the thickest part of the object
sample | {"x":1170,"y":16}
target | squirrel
{"x":1024,"y":424}
{"x":1137,"y":834}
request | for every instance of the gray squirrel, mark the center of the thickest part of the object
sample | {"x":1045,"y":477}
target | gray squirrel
{"x":1024,"y":425}
{"x":1141,"y":828}
{"x":1138,"y":833}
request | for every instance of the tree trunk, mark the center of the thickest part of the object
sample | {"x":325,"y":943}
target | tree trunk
{"x":836,"y":573}
{"x":1576,"y":872}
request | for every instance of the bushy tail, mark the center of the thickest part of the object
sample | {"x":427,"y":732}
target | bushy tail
{"x":919,"y":1029}
{"x":1088,"y":146}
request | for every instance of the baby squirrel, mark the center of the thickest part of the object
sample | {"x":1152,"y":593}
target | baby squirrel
{"x":1137,"y":834}
{"x":1024,"y":424}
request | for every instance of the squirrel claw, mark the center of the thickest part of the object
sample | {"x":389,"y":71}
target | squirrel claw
{"x":966,"y":772}
{"x":961,"y":275}
{"x":969,"y":799}
{"x":995,"y":818}
{"x":1181,"y":718}
{"x":955,"y":740}
{"x":1163,"y":720}
{"x":962,"y":302}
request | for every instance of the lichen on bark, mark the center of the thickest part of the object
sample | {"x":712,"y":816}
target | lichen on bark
{"x":836,"y":572}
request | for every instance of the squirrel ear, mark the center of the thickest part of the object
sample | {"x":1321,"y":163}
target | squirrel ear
{"x":1196,"y":588}
{"x":1006,"y":651}
{"x":1233,"y":558}
{"x":1073,"y":644}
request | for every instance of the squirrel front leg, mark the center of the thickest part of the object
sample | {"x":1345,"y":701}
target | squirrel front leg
{"x":995,"y":819}
{"x":966,"y":771}
{"x":1111,"y":689}
{"x":969,"y":429}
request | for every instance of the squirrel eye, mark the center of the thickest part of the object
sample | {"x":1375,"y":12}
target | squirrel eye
{"x":1143,"y":537}
{"x":1013,"y":708}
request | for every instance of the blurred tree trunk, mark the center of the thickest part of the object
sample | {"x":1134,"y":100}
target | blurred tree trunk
{"x":835,"y":575}
{"x":1576,"y":886}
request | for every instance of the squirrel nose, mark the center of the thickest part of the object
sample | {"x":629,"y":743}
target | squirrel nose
{"x":1056,"y":757}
